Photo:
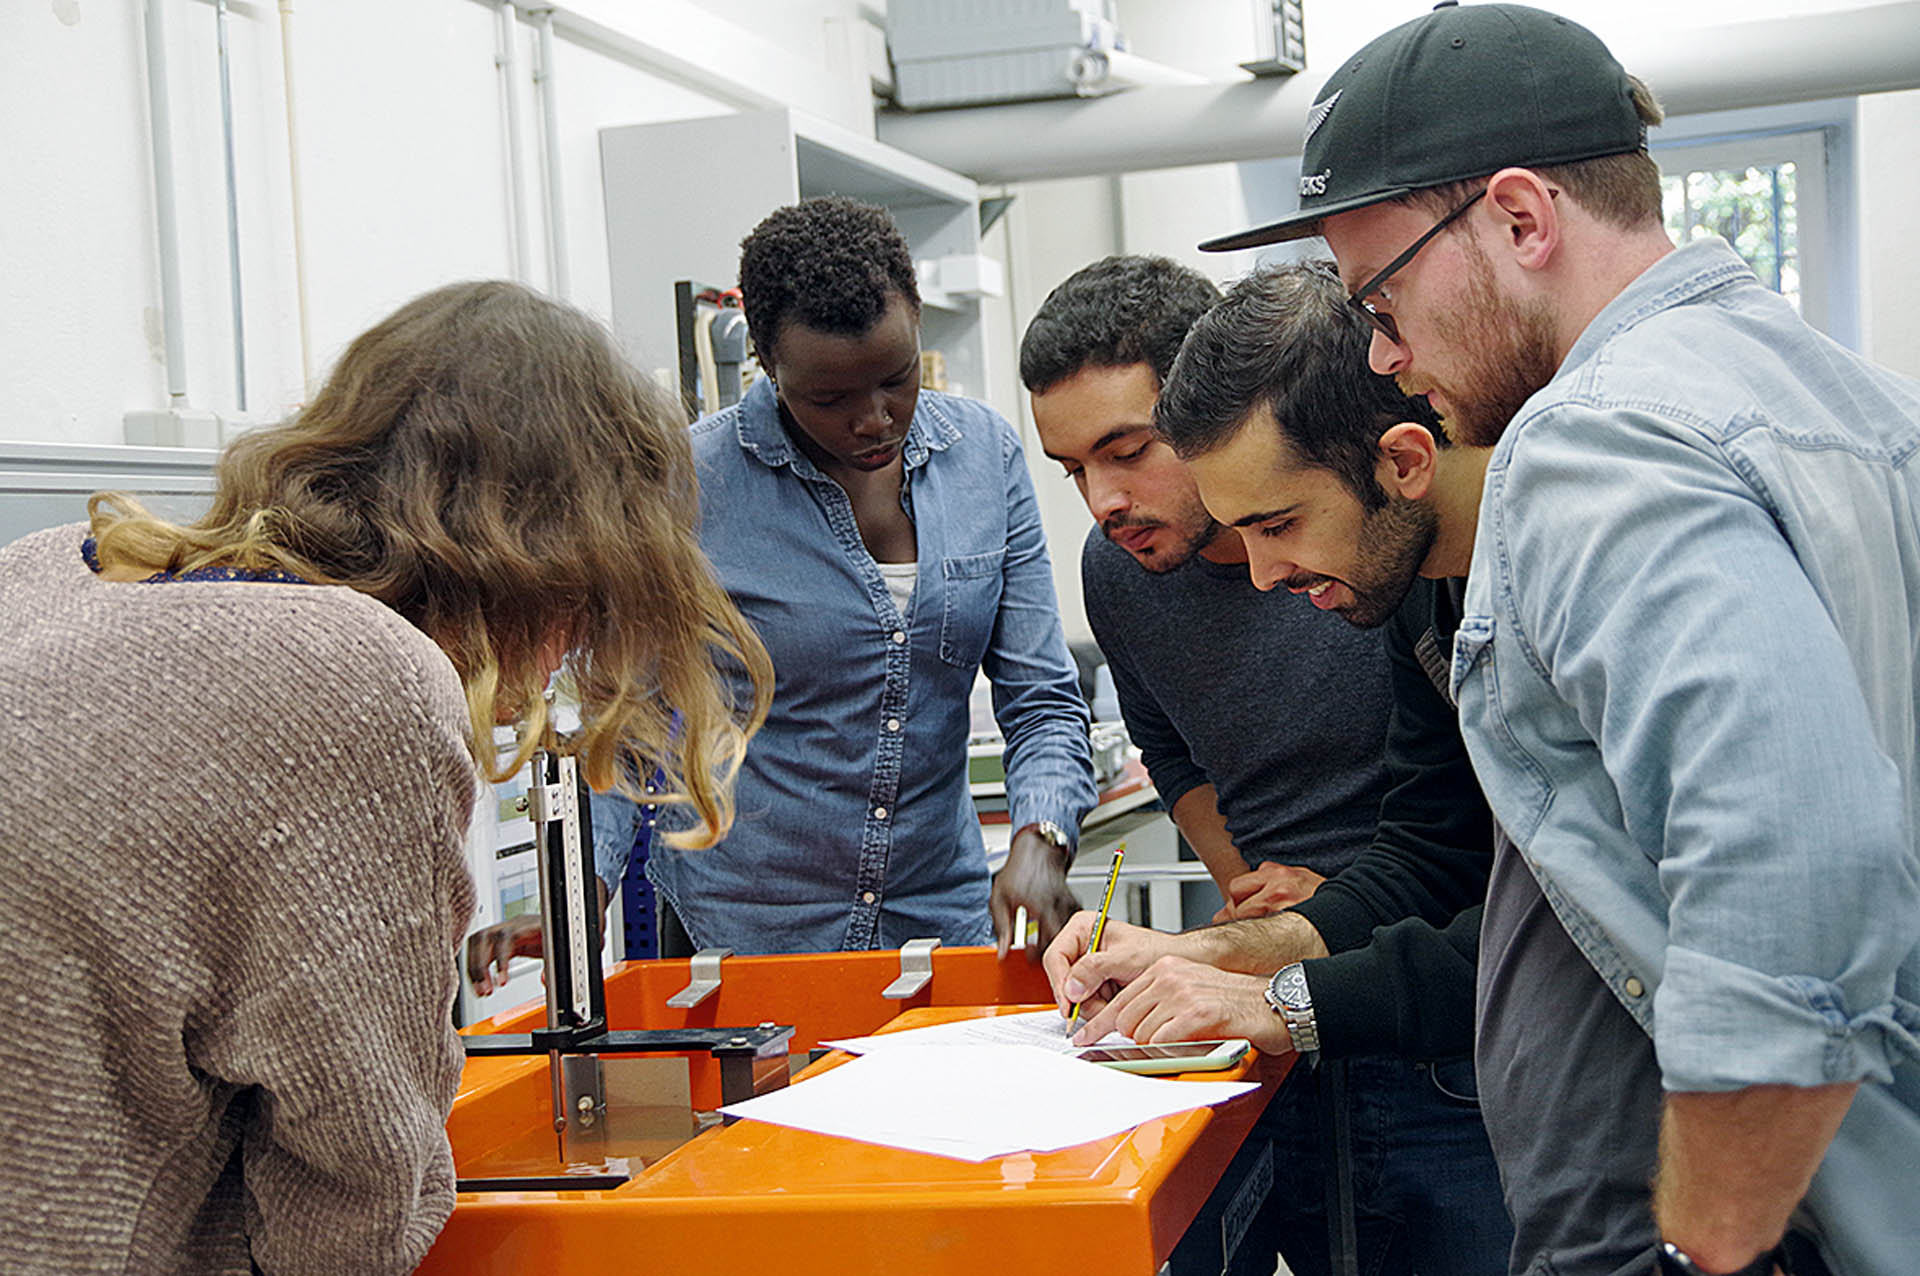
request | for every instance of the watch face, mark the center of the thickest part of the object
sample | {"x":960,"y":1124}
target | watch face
{"x":1290,"y":986}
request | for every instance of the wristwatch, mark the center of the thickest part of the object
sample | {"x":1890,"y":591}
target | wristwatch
{"x":1056,"y":836}
{"x":1287,"y":994}
{"x":1674,"y":1261}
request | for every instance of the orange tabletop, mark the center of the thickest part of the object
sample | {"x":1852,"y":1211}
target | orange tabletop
{"x":750,"y":1193}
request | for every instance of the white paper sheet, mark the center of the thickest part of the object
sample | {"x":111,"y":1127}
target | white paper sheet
{"x":980,"y":1101}
{"x":1042,"y":1029}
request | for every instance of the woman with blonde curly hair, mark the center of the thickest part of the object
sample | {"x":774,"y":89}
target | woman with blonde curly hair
{"x":238,"y":875}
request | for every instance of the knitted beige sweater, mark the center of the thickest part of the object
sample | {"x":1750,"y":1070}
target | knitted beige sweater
{"x":230,"y":842}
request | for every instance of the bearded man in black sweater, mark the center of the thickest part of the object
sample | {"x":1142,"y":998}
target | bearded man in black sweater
{"x":1318,"y":773}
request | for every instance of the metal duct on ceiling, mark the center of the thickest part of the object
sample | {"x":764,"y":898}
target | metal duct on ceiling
{"x":1735,"y":65}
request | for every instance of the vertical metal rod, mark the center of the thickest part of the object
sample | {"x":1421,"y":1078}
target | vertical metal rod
{"x":549,"y":906}
{"x":559,"y":283}
{"x":159,"y":118}
{"x":580,"y":890}
{"x":233,"y":213}
{"x":550,"y":968}
{"x":507,"y":59}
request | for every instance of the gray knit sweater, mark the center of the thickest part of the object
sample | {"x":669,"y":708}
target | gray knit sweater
{"x":230,"y":842}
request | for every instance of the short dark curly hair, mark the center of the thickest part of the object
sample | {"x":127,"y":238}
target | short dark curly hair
{"x":829,"y":263}
{"x":1117,"y":312}
{"x":1286,"y":339}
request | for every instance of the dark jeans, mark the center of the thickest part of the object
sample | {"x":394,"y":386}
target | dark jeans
{"x":1426,"y":1195}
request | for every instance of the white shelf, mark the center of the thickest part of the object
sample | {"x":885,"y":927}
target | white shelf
{"x":681,"y":195}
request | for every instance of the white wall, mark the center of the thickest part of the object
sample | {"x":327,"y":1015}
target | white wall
{"x":1889,"y":132}
{"x":402,"y":152}
{"x":401,"y":122}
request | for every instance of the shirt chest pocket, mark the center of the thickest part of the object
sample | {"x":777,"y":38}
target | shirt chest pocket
{"x":971,"y":583}
{"x":1517,"y":786}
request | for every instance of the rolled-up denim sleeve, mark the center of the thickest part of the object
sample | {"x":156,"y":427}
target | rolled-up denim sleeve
{"x":1652,"y":587}
{"x":1036,"y":690}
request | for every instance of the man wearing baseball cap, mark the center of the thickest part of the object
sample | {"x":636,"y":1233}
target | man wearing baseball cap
{"x":1686,"y":668}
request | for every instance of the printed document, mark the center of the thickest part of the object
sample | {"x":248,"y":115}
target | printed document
{"x":975,"y":1102}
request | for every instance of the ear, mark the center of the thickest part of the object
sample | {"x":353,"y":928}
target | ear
{"x":1525,"y":209}
{"x":1408,"y":459}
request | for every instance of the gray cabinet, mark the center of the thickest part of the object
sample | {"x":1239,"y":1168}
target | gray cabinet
{"x":681,"y":195}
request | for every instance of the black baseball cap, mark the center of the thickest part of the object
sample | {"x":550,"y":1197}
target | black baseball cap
{"x":1461,"y":92}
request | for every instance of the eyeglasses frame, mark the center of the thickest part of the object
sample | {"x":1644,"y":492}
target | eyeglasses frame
{"x":1358,"y":298}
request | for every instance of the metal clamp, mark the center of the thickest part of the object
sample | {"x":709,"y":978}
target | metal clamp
{"x":916,"y":969}
{"x":541,"y":803}
{"x":705,"y":981}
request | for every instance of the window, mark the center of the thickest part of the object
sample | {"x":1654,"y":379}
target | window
{"x":1766,"y":195}
{"x":1752,"y":208}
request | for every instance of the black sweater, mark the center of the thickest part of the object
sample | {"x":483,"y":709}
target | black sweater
{"x":1402,"y":922}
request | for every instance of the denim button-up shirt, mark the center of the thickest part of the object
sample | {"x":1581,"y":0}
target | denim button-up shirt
{"x":1686,"y":680}
{"x":855,"y":827}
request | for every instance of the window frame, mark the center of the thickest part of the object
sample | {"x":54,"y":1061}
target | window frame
{"x":1818,"y":138}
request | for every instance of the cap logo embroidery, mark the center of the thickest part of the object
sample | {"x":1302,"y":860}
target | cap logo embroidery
{"x":1313,"y":184}
{"x":1318,"y":115}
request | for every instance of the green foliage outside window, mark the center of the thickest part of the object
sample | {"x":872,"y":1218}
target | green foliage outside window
{"x":1752,"y":208}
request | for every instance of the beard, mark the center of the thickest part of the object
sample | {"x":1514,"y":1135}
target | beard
{"x":1393,"y":542}
{"x":1192,"y":530}
{"x":1508,"y":354}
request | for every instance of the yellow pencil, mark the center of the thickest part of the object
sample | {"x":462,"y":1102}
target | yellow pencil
{"x":1100,"y":924}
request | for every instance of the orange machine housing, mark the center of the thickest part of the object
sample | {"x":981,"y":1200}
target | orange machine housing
{"x":752,"y":1194}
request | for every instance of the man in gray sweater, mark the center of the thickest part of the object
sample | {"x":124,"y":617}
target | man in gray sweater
{"x":1263,"y":722}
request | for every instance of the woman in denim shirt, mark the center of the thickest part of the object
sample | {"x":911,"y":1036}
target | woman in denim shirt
{"x":886,"y":545}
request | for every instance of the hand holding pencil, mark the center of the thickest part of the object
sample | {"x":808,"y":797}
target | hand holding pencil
{"x":1100,"y":925}
{"x":1084,"y":970}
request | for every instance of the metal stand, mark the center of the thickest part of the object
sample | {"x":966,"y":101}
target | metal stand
{"x":752,"y":1060}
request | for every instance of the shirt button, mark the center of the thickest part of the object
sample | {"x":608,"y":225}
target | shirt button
{"x":893,"y":724}
{"x":1634,"y":987}
{"x":899,"y":636}
{"x":866,"y":897}
{"x":879,"y":812}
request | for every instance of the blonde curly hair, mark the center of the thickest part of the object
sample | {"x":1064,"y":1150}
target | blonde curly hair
{"x":486,"y":463}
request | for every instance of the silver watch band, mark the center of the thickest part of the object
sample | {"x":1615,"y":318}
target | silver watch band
{"x":1288,"y":995}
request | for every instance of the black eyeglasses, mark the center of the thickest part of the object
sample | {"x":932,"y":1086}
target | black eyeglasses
{"x":1358,"y":300}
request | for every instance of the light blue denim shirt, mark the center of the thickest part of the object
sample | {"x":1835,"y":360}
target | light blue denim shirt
{"x":1686,"y":680}
{"x":855,"y":827}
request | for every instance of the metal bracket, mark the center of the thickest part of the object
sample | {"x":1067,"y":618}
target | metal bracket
{"x":705,"y":981}
{"x":752,"y":1060}
{"x":916,"y":969}
{"x":542,"y":803}
{"x":610,"y":1173}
